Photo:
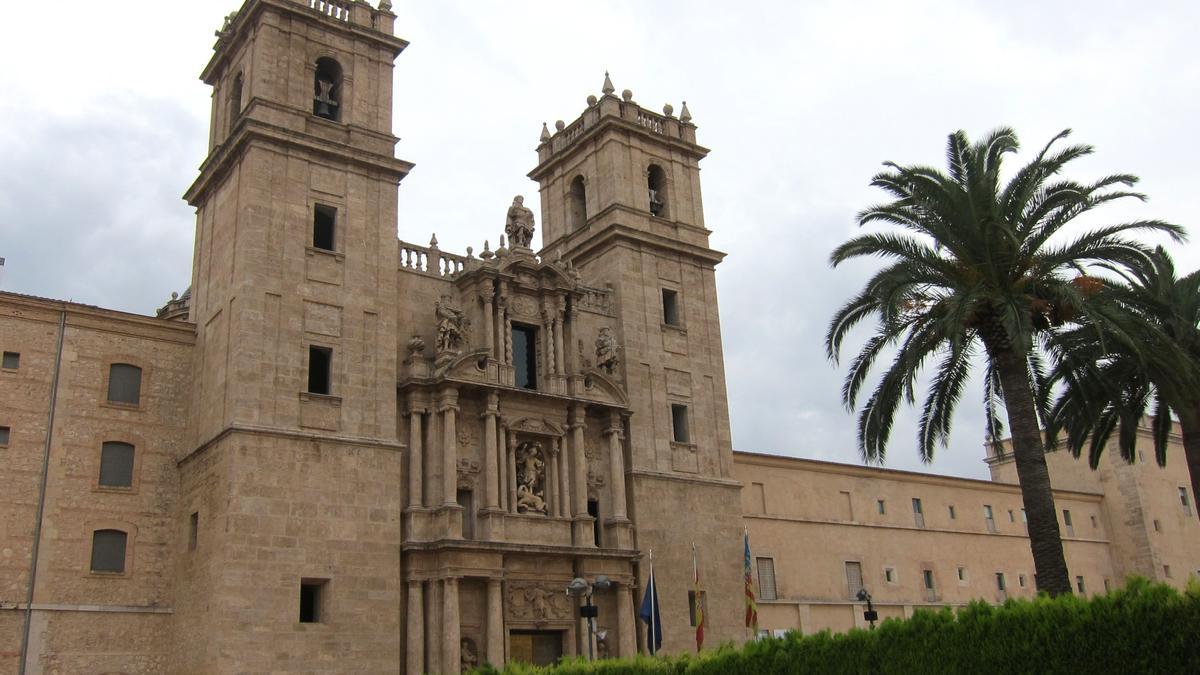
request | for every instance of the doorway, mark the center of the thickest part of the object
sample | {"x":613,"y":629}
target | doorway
{"x":538,"y":647}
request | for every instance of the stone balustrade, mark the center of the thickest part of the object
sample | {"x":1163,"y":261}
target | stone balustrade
{"x":430,"y":260}
{"x":331,"y":8}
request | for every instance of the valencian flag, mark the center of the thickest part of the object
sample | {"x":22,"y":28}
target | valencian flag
{"x":650,"y":612}
{"x":698,"y":601}
{"x":751,"y":604}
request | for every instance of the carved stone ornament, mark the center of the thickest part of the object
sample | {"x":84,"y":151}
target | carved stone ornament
{"x":468,"y":469}
{"x":470,"y":654}
{"x":595,"y":481}
{"x":519,"y":223}
{"x":523,"y":305}
{"x":607,"y":351}
{"x":531,"y":478}
{"x":452,"y":325}
{"x":466,"y":436}
{"x":531,"y":601}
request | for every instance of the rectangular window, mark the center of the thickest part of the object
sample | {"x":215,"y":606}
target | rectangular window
{"x":854,"y":578}
{"x":930,"y":592}
{"x":1021,"y":580}
{"x":848,"y":512}
{"x":1095,"y":523}
{"x":881,"y":506}
{"x":670,"y":300}
{"x":1157,"y":525}
{"x":324,"y":224}
{"x":1183,"y":498}
{"x":1107,"y":585}
{"x":697,"y":600}
{"x":124,"y":384}
{"x":4,"y":434}
{"x":1000,"y":585}
{"x":758,"y":498}
{"x":766,"y":579}
{"x":679,"y":423}
{"x":524,"y":349}
{"x":116,"y":464}
{"x":989,"y":518}
{"x":1167,"y":571}
{"x":962,"y":575}
{"x":466,"y":499}
{"x":320,"y":367}
{"x":1079,"y":585}
{"x":12,"y":361}
{"x":108,"y":551}
{"x":193,"y":530}
{"x":1067,"y":522}
{"x":1011,"y":517}
{"x":918,"y":514}
{"x":953,"y":515}
{"x":312,"y":592}
{"x":593,"y":508}
{"x":889,"y":575}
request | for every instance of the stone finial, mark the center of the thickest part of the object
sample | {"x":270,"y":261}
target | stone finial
{"x":559,"y":125}
{"x":591,"y":100}
{"x":385,"y":5}
{"x":502,"y":250}
{"x":470,"y":252}
{"x":627,"y":95}
{"x":668,"y":110}
{"x":486,"y":253}
{"x":608,"y":87}
{"x":433,"y":241}
{"x":545,"y":133}
{"x":685,"y":115}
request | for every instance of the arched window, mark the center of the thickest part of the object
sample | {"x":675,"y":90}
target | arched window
{"x":116,"y":464}
{"x":327,"y":89}
{"x":124,"y":384}
{"x":657,"y":190}
{"x":108,"y":551}
{"x":577,"y":204}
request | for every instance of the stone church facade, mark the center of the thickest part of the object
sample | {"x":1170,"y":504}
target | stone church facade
{"x":343,"y":452}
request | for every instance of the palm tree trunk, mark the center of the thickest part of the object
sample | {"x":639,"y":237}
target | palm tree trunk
{"x":1029,"y":453}
{"x":1189,"y":422}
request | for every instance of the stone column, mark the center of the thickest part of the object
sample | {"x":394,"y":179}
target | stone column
{"x":616,"y":458}
{"x":433,"y":627}
{"x":495,"y":624}
{"x":489,"y":332}
{"x":551,"y":481}
{"x":579,"y":459}
{"x":449,"y":446}
{"x":548,"y":341}
{"x":570,"y":365}
{"x":416,"y":448}
{"x":626,"y":626}
{"x":512,"y":472}
{"x":502,"y":451}
{"x":508,"y":358}
{"x":451,"y":647}
{"x":492,"y":480}
{"x":416,"y":628}
{"x":558,"y":343}
{"x":564,"y":480}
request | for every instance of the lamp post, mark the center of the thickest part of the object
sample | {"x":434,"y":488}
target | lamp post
{"x":870,"y":615}
{"x":581,"y":588}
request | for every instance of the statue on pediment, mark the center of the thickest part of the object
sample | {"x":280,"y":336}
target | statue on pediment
{"x":452,"y":326}
{"x":519,"y":224}
{"x":607,"y":351}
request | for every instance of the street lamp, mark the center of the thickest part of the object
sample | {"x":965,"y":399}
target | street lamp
{"x":581,"y":588}
{"x":869,"y":615}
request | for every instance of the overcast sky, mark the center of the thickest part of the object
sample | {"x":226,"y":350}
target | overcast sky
{"x":103,"y":124}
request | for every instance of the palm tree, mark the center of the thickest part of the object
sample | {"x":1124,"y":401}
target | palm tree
{"x":977,"y":262}
{"x":1146,"y":356}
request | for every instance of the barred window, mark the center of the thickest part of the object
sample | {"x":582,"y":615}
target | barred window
{"x":766,"y":579}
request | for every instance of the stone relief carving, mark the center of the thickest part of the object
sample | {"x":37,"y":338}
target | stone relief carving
{"x":468,"y":469}
{"x":452,"y":325}
{"x":519,"y":224}
{"x":595,"y":481}
{"x":530,"y":601}
{"x":523,"y":305}
{"x":531,"y":478}
{"x":607,"y":351}
{"x":465,"y":436}
{"x":470,"y":654}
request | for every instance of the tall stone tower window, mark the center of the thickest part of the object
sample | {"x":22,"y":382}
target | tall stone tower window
{"x":577,"y":204}
{"x":235,"y":100}
{"x":593,"y":509}
{"x":193,"y":530}
{"x":327,"y":89}
{"x":524,"y":345}
{"x":312,"y":592}
{"x":324,"y":227}
{"x":116,"y":464}
{"x":108,"y":551}
{"x":656,"y":180}
{"x":320,"y":367}
{"x":670,"y":305}
{"x":124,"y":384}
{"x":679,"y":423}
{"x":918,"y":513}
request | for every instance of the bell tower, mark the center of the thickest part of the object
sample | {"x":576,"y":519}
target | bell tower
{"x":621,"y":203}
{"x":294,"y":295}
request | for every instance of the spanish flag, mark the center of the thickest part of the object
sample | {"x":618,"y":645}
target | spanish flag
{"x":751,"y":603}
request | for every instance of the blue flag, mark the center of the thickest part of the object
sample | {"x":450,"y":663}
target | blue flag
{"x":652,"y":615}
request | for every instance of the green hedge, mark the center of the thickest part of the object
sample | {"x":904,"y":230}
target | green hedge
{"x":1142,"y":628}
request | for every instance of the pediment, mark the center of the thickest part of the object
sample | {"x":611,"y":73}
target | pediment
{"x":536,"y":425}
{"x":598,"y":386}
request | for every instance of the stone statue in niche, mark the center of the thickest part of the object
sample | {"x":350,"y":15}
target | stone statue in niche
{"x":602,"y":648}
{"x":519,"y":224}
{"x":531,"y":478}
{"x":470,"y":654}
{"x":607,"y":351}
{"x":452,"y":325}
